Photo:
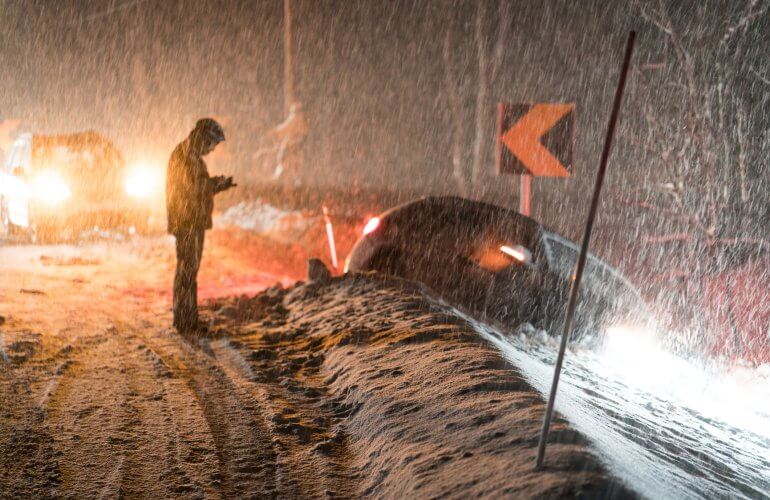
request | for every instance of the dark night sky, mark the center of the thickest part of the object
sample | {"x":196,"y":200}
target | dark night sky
{"x":372,"y":71}
{"x":370,"y":75}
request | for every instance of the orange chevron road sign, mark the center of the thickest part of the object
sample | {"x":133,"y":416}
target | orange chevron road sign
{"x":535,"y":139}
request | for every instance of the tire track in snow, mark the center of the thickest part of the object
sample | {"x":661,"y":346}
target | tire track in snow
{"x":120,"y":431}
{"x":245,"y":452}
{"x":309,"y":465}
{"x":87,"y":410}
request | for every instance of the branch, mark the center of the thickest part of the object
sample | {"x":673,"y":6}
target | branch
{"x":660,"y":18}
{"x":743,"y":21}
{"x":711,"y":242}
{"x":661,"y":210}
{"x":666,"y":238}
{"x":654,"y":18}
{"x":664,"y":155}
{"x":761,"y":78}
{"x":738,"y":241}
{"x":503,"y":11}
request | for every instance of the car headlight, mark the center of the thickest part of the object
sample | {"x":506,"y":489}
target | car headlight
{"x":143,"y":181}
{"x":49,"y":187}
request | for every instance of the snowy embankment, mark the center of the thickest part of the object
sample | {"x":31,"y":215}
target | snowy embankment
{"x":397,"y":396}
{"x":282,"y":225}
{"x":301,"y":234}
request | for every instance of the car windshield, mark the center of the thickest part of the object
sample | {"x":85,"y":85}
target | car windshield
{"x":20,"y":154}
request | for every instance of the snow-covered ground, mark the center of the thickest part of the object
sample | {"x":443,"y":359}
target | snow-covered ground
{"x":281,"y":225}
{"x":399,"y":395}
{"x":355,"y":388}
{"x":361,"y":386}
{"x":670,"y":427}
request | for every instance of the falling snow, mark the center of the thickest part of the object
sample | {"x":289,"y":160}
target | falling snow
{"x":353,"y":108}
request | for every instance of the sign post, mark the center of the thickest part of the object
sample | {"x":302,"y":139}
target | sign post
{"x":525,"y":194}
{"x":534,"y":140}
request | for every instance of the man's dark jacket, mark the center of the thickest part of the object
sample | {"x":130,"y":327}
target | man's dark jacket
{"x":189,"y":191}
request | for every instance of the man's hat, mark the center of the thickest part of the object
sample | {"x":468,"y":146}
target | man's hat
{"x":209,"y":128}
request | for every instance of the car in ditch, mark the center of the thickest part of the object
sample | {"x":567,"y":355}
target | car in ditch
{"x":56,"y":187}
{"x":496,"y":264}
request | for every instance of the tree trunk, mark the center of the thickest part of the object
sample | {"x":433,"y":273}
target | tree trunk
{"x":288,"y":69}
{"x":481,"y":100}
{"x":458,"y":168}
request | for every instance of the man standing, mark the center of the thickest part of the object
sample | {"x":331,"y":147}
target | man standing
{"x":189,"y":204}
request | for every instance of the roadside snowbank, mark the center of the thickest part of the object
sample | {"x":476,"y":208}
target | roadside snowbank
{"x":302,"y":233}
{"x":401,"y":394}
{"x":282,"y":225}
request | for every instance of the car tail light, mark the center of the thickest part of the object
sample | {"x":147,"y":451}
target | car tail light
{"x":372,"y":225}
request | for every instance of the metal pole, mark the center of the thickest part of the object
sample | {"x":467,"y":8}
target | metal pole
{"x":330,"y":237}
{"x":584,"y":251}
{"x":525,"y":194}
{"x":288,"y":69}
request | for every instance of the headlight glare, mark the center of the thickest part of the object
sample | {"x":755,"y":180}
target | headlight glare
{"x":49,"y":187}
{"x":143,"y":181}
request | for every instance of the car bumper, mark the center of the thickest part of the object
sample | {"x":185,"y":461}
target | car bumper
{"x":81,"y":217}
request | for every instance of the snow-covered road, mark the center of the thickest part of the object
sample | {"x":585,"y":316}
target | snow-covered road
{"x":99,"y":397}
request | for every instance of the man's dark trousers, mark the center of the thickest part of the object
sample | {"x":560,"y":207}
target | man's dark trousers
{"x":189,"y":249}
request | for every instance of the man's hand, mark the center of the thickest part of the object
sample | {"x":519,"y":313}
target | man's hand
{"x":222,"y":183}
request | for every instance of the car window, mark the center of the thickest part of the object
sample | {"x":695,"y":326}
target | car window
{"x":602,"y":279}
{"x":20,"y":154}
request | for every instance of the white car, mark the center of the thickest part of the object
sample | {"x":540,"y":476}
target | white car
{"x":56,"y":187}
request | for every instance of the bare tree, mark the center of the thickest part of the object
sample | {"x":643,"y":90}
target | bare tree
{"x":288,"y":59}
{"x":455,"y":107}
{"x":703,"y":145}
{"x":469,"y":176}
{"x":482,"y":89}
